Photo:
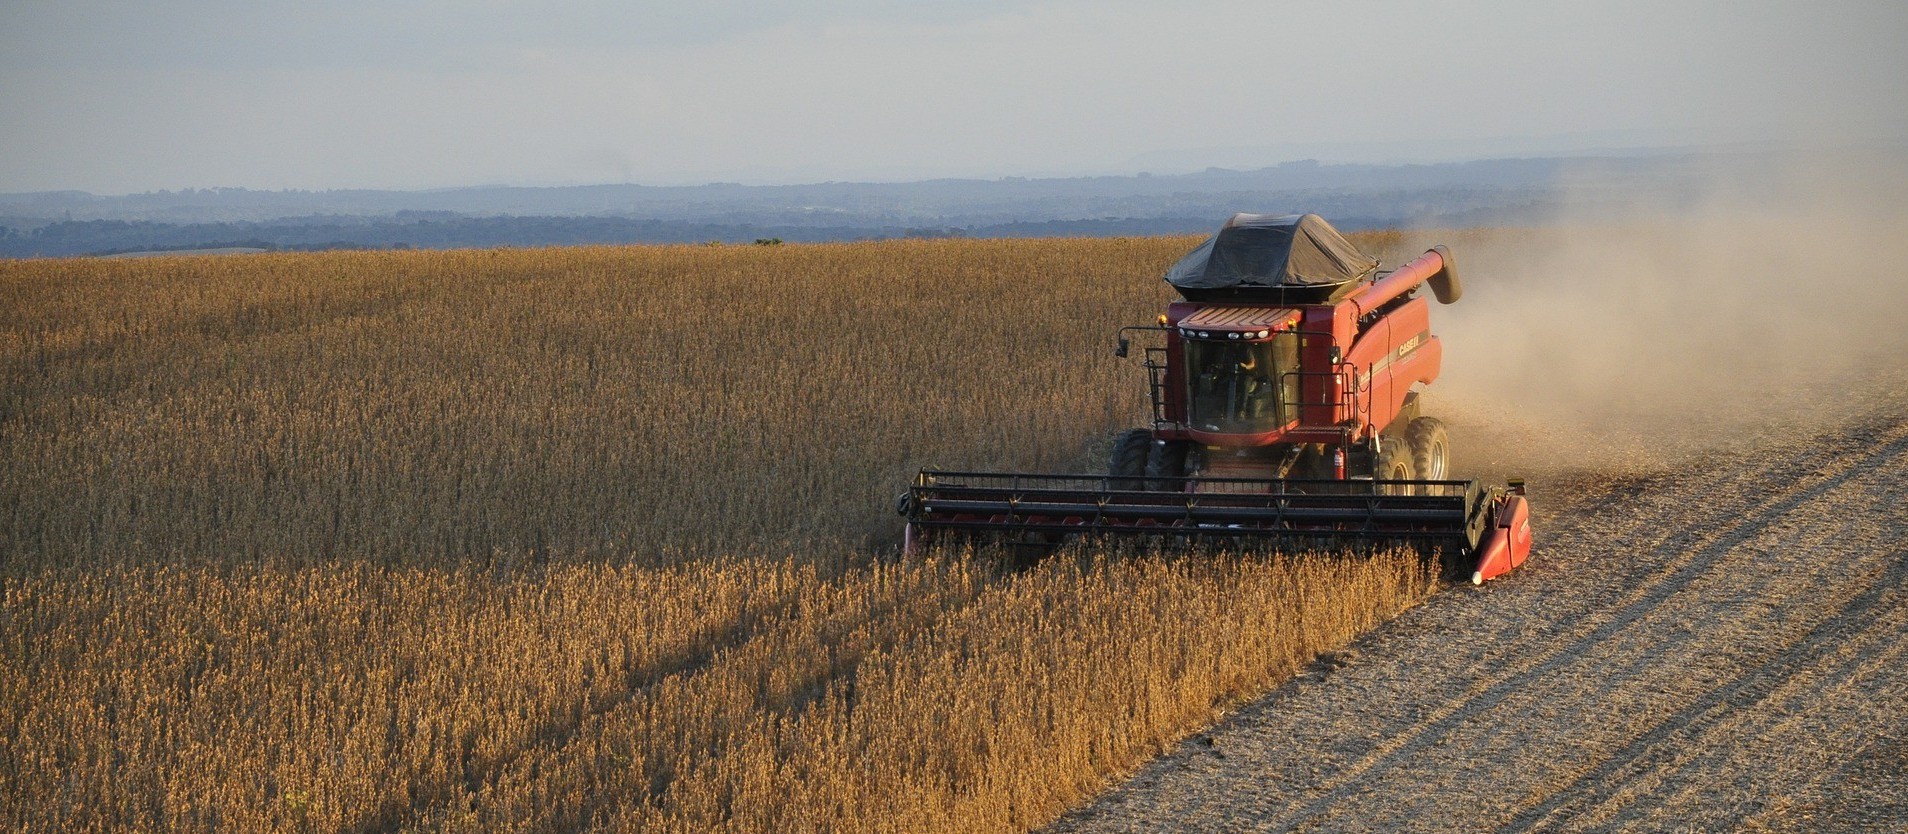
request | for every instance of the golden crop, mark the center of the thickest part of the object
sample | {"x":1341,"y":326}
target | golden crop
{"x":548,"y":540}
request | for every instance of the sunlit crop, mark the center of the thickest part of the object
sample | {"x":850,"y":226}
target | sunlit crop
{"x":552,"y":540}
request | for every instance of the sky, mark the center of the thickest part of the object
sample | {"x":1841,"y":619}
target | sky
{"x":121,"y":96}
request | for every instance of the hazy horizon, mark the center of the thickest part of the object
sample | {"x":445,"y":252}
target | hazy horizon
{"x":1165,"y":164}
{"x":116,"y":99}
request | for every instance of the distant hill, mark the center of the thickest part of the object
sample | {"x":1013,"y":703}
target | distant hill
{"x":1522,"y":191}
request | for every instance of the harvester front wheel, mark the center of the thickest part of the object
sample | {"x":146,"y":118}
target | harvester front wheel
{"x":1167,"y":461}
{"x":1430,"y":448}
{"x":1126,"y":468}
{"x":1394,"y":464}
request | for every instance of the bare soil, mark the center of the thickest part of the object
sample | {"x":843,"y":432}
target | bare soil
{"x":1719,"y":647}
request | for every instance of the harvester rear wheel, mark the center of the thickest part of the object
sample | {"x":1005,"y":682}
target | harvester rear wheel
{"x":1127,"y":465}
{"x":1394,"y":464}
{"x":1430,"y":448}
{"x":1167,"y":461}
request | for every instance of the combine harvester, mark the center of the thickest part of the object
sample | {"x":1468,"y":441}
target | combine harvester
{"x":1284,"y":408}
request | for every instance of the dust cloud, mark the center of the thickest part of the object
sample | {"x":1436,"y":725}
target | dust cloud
{"x":1636,"y":330}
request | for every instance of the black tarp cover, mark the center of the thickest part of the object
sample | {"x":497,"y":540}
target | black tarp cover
{"x":1298,"y":255}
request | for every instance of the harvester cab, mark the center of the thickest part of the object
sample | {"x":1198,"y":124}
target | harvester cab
{"x":1284,"y":406}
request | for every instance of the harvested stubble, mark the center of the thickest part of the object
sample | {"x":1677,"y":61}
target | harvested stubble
{"x":448,"y":541}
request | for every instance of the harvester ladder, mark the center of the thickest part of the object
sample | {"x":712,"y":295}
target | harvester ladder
{"x":1156,"y":385}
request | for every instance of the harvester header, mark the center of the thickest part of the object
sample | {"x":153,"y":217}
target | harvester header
{"x":1284,"y":405}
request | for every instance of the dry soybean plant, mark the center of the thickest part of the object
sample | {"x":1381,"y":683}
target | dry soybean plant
{"x":551,"y":540}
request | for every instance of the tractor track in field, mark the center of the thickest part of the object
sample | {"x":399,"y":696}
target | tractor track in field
{"x":1719,"y":648}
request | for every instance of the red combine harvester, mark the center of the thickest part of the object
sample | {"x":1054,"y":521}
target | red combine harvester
{"x":1284,"y":407}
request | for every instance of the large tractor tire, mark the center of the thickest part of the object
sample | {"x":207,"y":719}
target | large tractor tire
{"x":1430,"y":448}
{"x":1167,"y":461}
{"x":1394,"y":464}
{"x":1127,"y":465}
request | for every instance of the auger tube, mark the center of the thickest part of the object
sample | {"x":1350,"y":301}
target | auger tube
{"x":1433,"y":267}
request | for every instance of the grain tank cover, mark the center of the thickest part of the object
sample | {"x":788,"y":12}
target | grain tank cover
{"x":1289,"y":259}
